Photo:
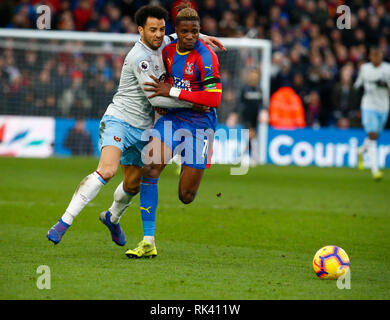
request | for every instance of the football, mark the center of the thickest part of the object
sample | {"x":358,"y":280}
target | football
{"x":331,"y":262}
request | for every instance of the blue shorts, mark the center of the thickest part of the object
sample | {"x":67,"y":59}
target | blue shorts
{"x":374,"y":121}
{"x":120,"y":134}
{"x":182,"y":137}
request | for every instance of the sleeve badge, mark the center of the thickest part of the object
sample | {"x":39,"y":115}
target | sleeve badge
{"x":144,"y":65}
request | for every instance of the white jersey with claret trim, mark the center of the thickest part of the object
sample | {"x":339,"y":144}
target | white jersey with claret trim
{"x":375,"y":97}
{"x":130,"y":102}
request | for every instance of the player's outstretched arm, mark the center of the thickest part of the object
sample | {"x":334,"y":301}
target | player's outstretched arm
{"x":211,"y":98}
{"x":359,"y":81}
{"x":157,"y":101}
{"x":213,"y":42}
{"x":168,"y":102}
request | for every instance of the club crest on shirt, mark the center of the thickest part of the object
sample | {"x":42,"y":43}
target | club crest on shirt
{"x":117,"y":139}
{"x":189,"y":70}
{"x":144,"y":65}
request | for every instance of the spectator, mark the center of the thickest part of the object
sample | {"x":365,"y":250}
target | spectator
{"x":129,"y":7}
{"x":15,"y":92}
{"x":104,"y":24}
{"x":250,"y":101}
{"x":82,"y":14}
{"x":313,"y":109}
{"x":373,"y":30}
{"x":44,"y":96}
{"x":127,"y":25}
{"x":78,"y":140}
{"x":103,"y":97}
{"x":30,"y":64}
{"x":228,"y":27}
{"x":298,"y":12}
{"x":60,"y":78}
{"x":75,"y":101}
{"x":249,"y":106}
{"x":299,"y":86}
{"x":286,"y":110}
{"x":227,"y":110}
{"x":209,"y":26}
{"x":315,"y":71}
{"x":7,"y":8}
{"x":174,"y":7}
{"x":66,"y":21}
{"x":345,"y":100}
{"x":3,"y":87}
{"x":25,"y":15}
{"x":210,"y":8}
{"x":282,"y":76}
{"x":114,"y":17}
{"x":14,"y":89}
{"x":101,"y":66}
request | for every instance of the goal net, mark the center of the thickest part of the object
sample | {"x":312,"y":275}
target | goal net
{"x":74,"y":75}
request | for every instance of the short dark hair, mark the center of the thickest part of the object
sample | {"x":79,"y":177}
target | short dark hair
{"x":153,"y":11}
{"x":374,"y":48}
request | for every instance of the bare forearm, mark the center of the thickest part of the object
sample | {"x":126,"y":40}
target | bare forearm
{"x":169,"y":102}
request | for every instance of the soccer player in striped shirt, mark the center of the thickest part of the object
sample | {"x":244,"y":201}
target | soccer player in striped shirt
{"x":193,"y":71}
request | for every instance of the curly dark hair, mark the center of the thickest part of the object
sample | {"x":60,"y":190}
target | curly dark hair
{"x":153,"y":11}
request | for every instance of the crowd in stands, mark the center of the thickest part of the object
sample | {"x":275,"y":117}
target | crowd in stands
{"x":309,"y":54}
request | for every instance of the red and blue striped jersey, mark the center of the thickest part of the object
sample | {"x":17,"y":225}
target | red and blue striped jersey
{"x":196,"y":72}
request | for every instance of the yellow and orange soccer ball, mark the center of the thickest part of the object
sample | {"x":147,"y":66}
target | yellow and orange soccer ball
{"x":331,"y":262}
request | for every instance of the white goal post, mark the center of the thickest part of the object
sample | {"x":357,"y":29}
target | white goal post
{"x":260,"y":48}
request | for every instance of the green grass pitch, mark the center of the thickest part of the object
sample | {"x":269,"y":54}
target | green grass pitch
{"x":244,"y":237}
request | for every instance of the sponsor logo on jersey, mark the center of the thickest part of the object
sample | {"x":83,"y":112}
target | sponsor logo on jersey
{"x":117,"y":139}
{"x":182,"y":84}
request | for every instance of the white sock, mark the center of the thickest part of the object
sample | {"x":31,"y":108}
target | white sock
{"x":85,"y":192}
{"x":364,"y":146}
{"x":122,"y":200}
{"x":372,"y":151}
{"x":149,"y":239}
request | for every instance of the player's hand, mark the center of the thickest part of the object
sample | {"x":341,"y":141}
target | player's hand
{"x":161,"y":111}
{"x":199,"y":108}
{"x":159,"y":88}
{"x":213,"y":42}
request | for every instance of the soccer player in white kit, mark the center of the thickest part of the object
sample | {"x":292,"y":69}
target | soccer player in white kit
{"x":375,"y":79}
{"x":122,"y":125}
